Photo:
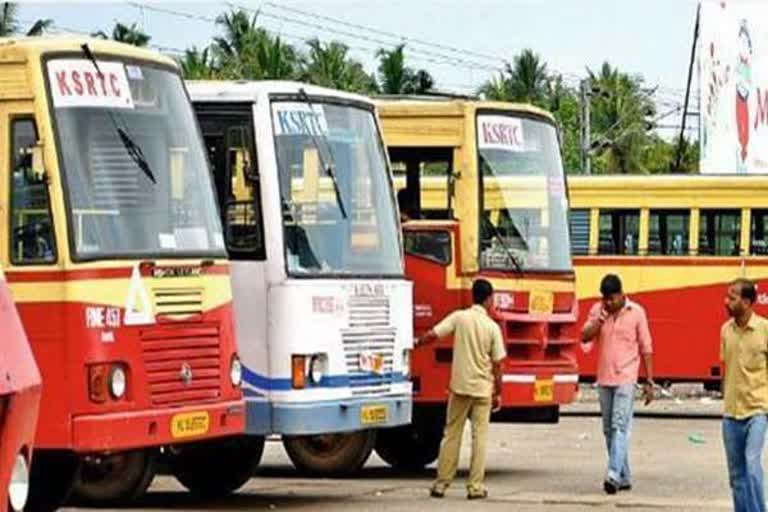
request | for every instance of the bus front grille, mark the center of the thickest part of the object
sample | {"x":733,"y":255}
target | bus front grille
{"x":182,"y":363}
{"x":370,"y":333}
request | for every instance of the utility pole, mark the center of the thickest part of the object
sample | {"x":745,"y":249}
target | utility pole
{"x":585,"y":98}
{"x":679,"y":156}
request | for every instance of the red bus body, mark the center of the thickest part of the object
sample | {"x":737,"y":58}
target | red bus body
{"x":19,"y":394}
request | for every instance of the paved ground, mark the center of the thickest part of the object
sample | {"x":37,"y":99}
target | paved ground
{"x":678,"y":465}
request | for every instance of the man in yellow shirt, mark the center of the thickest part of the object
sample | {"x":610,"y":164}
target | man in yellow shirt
{"x":475,"y":387}
{"x":744,"y":352}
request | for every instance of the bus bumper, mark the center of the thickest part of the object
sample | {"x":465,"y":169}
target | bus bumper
{"x":155,"y":427}
{"x":345,"y":415}
{"x":539,"y":390}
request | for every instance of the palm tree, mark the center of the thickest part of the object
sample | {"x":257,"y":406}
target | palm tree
{"x":9,"y":23}
{"x":237,"y":28}
{"x":528,"y":78}
{"x":496,"y":89}
{"x":620,"y":114}
{"x":329,"y":65}
{"x":393,"y":75}
{"x":125,"y":34}
{"x":397,"y":78}
{"x":197,"y":64}
{"x":246,"y":51}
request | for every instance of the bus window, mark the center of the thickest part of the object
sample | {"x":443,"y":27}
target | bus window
{"x":668,"y":232}
{"x":759,"y":233}
{"x":421,"y":167}
{"x":579,"y":224}
{"x":619,"y":232}
{"x":720,"y":232}
{"x":432,"y":245}
{"x":31,"y":225}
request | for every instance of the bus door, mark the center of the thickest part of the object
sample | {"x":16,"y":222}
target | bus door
{"x":228,"y":135}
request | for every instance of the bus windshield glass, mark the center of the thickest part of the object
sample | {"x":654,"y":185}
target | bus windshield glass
{"x":134,"y":169}
{"x":524,"y":224}
{"x":337,"y":203}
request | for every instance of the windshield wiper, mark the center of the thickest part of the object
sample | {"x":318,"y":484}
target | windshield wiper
{"x":328,"y":167}
{"x":133,"y":149}
{"x":504,"y":245}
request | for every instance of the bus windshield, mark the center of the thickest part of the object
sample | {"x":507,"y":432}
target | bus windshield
{"x":338,"y":208}
{"x":133,"y":164}
{"x":524,"y":224}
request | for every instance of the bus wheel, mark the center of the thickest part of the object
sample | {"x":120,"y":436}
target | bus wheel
{"x":213,"y":469}
{"x":119,"y":478}
{"x":51,"y":480}
{"x":409,"y":447}
{"x":330,"y":454}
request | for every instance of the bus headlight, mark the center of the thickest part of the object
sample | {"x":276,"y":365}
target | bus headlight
{"x":236,"y":371}
{"x":18,"y":488}
{"x":407,"y":362}
{"x":117,"y":382}
{"x":316,"y":369}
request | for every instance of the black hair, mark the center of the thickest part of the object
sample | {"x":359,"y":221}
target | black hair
{"x":610,"y":285}
{"x":747,"y":289}
{"x":481,"y":290}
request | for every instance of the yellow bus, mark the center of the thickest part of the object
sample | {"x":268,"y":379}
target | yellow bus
{"x":482,"y":187}
{"x":676,"y":241}
{"x":114,"y":253}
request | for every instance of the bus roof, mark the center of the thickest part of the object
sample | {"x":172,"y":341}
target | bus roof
{"x":449,"y":106}
{"x":249,"y":90}
{"x":668,"y":191}
{"x":42,"y":45}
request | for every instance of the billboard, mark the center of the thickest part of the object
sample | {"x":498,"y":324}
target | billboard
{"x":733,"y":86}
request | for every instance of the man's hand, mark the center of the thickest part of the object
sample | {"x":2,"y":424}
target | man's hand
{"x":425,"y":338}
{"x":648,"y":391}
{"x":496,"y":402}
{"x":603,"y":316}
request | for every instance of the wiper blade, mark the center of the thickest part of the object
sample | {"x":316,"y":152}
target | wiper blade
{"x":133,"y":149}
{"x":136,"y":154}
{"x":328,"y":167}
{"x":504,"y":245}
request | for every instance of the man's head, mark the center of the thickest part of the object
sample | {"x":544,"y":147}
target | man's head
{"x":741,"y":296}
{"x":482,"y":293}
{"x":612,"y":292}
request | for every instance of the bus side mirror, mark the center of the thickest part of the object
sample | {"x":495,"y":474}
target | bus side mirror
{"x":38,"y":162}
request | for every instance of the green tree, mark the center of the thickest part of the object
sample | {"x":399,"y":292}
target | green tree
{"x":9,"y":22}
{"x":621,"y":115}
{"x":249,"y":52}
{"x":528,"y":78}
{"x":397,"y":78}
{"x":329,"y":65}
{"x":198,"y":64}
{"x":126,"y":34}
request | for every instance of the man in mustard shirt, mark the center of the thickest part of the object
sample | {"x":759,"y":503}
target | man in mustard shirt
{"x":744,"y":352}
{"x":475,"y":387}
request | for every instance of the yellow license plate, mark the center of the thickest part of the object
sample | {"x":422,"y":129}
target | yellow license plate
{"x":190,"y":424}
{"x":541,"y":302}
{"x":373,"y":414}
{"x":544,"y":391}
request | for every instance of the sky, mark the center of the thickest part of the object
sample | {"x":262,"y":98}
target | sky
{"x":465,"y":40}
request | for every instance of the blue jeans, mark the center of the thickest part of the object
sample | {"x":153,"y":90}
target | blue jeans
{"x":743,"y":440}
{"x":617,"y":406}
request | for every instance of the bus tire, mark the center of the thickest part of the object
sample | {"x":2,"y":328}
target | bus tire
{"x":330,"y":454}
{"x":51,"y":480}
{"x":117,"y":479}
{"x":216,"y":468}
{"x":410,"y":447}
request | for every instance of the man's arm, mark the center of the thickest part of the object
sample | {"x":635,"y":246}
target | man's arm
{"x":646,"y":349}
{"x":592,"y":328}
{"x":441,"y":330}
{"x":496,"y":403}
